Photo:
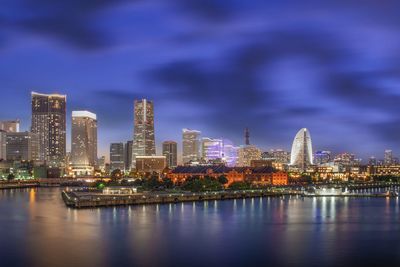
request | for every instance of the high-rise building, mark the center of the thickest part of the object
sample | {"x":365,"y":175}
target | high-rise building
{"x":3,"y":145}
{"x":230,"y":153}
{"x":101,"y":163}
{"x":246,"y":154}
{"x":190,"y":145}
{"x":83,"y":142}
{"x":143,"y":136}
{"x":10,"y":126}
{"x":212,"y":149}
{"x":322,"y":157}
{"x":388,"y":159}
{"x":117,"y":156}
{"x":302,"y":155}
{"x":49,"y":123}
{"x":22,"y":146}
{"x":170,"y":151}
{"x":128,"y":154}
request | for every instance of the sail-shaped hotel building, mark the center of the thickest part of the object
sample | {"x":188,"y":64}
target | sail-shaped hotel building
{"x":302,"y":155}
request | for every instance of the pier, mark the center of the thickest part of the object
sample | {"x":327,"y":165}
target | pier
{"x":79,"y":200}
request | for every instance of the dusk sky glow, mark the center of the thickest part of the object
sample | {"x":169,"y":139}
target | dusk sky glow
{"x":215,"y":66}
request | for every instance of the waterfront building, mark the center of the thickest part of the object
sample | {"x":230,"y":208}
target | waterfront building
{"x":128,"y":155}
{"x":83,"y":142}
{"x":170,"y":151}
{"x":49,"y":123}
{"x":346,"y":160}
{"x":302,"y":155}
{"x":150,"y":164}
{"x":143,"y":134}
{"x":322,"y":157}
{"x":101,"y":163}
{"x":388,"y":158}
{"x":117,"y":157}
{"x":190,"y":145}
{"x":10,"y":126}
{"x":258,"y":175}
{"x":22,"y":146}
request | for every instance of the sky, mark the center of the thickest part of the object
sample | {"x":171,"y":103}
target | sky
{"x":215,"y":66}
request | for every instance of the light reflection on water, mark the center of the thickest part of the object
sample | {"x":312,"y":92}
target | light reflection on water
{"x":36,"y":229}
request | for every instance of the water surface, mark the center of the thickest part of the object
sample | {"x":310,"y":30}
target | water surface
{"x":36,"y":229}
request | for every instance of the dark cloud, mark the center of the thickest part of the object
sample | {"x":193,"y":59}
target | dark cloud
{"x":72,"y":21}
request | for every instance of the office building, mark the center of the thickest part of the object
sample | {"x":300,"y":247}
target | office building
{"x":22,"y":146}
{"x":3,"y":145}
{"x":302,"y":155}
{"x":170,"y":151}
{"x":190,"y":145}
{"x":49,"y":123}
{"x":246,"y":154}
{"x":277,"y":155}
{"x":322,"y":157}
{"x":83,"y":142}
{"x":143,"y":136}
{"x":117,"y":156}
{"x":230,"y":153}
{"x":212,"y":149}
{"x":128,"y":155}
{"x":11,"y":126}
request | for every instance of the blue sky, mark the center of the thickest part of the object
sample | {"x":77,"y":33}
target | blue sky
{"x":215,"y":66}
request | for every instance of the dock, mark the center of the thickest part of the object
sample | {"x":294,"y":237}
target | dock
{"x":80,"y":200}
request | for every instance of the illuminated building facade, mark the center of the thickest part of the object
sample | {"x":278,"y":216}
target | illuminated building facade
{"x":49,"y":123}
{"x":3,"y":145}
{"x":322,"y":157}
{"x":388,"y":159}
{"x":212,"y":149}
{"x":246,"y":154}
{"x":128,"y":155}
{"x":83,"y":142}
{"x":230,"y":153}
{"x":143,"y":136}
{"x":302,"y":155}
{"x":10,"y":126}
{"x":170,"y":151}
{"x":277,"y":155}
{"x":190,"y":145}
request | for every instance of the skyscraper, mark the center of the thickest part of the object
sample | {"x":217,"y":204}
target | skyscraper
{"x":128,"y":154}
{"x":190,"y":145}
{"x":10,"y":126}
{"x":3,"y":145}
{"x":322,"y":157}
{"x":49,"y":123}
{"x":170,"y":151}
{"x":117,"y":156}
{"x":302,"y":155}
{"x":83,"y":142}
{"x":246,"y":154}
{"x":230,"y":153}
{"x":143,"y":136}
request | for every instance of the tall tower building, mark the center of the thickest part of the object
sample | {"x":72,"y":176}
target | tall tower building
{"x":83,"y":142}
{"x":190,"y":145}
{"x":49,"y":123}
{"x":247,"y":136}
{"x":212,"y":149}
{"x":170,"y":151}
{"x":143,"y":136}
{"x":302,"y":155}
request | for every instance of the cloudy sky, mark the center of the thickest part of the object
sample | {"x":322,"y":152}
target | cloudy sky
{"x":215,"y":66}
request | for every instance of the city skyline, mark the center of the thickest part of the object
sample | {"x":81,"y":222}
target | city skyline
{"x":158,"y":143}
